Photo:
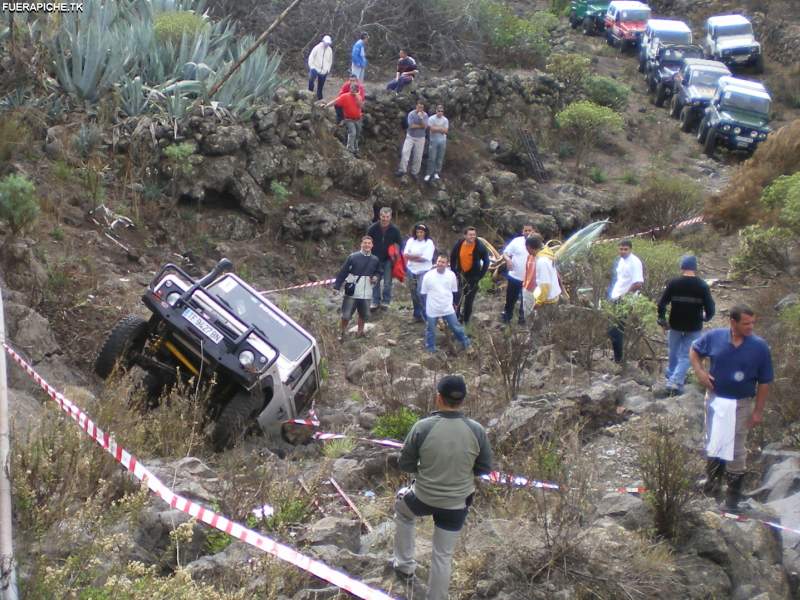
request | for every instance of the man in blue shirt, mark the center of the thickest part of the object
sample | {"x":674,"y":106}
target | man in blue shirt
{"x":741,"y":369}
{"x":359,"y":57}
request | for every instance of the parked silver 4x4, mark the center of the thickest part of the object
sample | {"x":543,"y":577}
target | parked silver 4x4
{"x":261,"y":366}
{"x":729,"y":39}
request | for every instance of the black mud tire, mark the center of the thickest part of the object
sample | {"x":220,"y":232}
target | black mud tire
{"x":758,"y":66}
{"x":235,"y":419}
{"x":609,"y":39}
{"x":674,"y":107}
{"x":702,"y":130}
{"x":661,"y":95}
{"x":588,"y":26}
{"x":128,"y":336}
{"x":642,"y":64}
{"x":710,"y":145}
{"x":687,"y":120}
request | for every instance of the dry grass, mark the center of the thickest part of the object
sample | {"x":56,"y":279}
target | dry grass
{"x":739,"y":203}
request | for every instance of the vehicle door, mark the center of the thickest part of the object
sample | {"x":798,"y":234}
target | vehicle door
{"x":610,"y":16}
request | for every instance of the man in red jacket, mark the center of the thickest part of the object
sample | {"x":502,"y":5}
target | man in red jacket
{"x":345,"y":89}
{"x":350,"y":103}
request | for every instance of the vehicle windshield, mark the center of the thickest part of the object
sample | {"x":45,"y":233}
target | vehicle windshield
{"x":252,"y":310}
{"x":676,"y":55}
{"x":635,"y":15}
{"x":674,"y":37}
{"x":705,"y":78}
{"x":738,"y":29}
{"x":739,"y":101}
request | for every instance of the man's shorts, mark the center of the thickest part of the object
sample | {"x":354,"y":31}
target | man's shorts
{"x":351,"y":305}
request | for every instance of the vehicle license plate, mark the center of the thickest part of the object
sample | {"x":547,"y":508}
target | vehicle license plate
{"x":744,"y":141}
{"x":203,"y":325}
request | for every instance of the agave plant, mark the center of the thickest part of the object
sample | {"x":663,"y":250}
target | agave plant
{"x":134,"y":99}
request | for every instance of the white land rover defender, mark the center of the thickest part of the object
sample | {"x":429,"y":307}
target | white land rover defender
{"x":729,"y":39}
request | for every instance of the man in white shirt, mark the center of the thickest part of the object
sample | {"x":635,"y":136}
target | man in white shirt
{"x":627,"y":278}
{"x":418,"y":252}
{"x":439,"y":287}
{"x":516,"y":255}
{"x":541,"y":277}
{"x":320,"y":61}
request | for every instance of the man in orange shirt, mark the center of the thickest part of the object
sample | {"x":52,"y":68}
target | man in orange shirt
{"x":350,"y":103}
{"x":469,"y":260}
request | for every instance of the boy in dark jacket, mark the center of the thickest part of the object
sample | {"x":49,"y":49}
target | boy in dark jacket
{"x":359,"y":273}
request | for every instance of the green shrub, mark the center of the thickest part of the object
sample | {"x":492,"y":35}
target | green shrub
{"x":279,"y":190}
{"x":762,"y":247}
{"x":606,"y":91}
{"x":179,"y":156}
{"x":636,"y":314}
{"x":395,"y":425}
{"x":666,"y":466}
{"x":569,"y":70}
{"x":508,"y":32}
{"x":783,"y":196}
{"x":170,"y":26}
{"x":663,"y":201}
{"x":310,"y":186}
{"x":19,"y":205}
{"x":338,"y":448}
{"x":14,"y":135}
{"x":583,"y":123}
{"x":630,"y":178}
{"x":597,"y":175}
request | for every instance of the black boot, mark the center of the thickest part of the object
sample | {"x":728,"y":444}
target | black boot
{"x":734,"y":494}
{"x":715,"y":469}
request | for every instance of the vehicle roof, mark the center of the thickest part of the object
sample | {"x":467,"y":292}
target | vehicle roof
{"x":668,"y":25}
{"x":706,"y":64}
{"x":728,"y":81}
{"x":628,"y":4}
{"x":728,"y":20}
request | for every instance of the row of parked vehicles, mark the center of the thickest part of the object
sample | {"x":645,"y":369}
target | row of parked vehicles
{"x":695,"y":81}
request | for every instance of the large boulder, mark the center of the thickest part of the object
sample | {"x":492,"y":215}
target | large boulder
{"x":316,"y":219}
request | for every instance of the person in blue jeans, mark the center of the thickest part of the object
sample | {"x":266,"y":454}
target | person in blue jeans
{"x":418,"y":252}
{"x":439,"y":289}
{"x":690,"y":304}
{"x":385,"y":234}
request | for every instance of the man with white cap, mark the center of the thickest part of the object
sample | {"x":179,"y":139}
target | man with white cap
{"x":445,"y":452}
{"x":319,"y":65}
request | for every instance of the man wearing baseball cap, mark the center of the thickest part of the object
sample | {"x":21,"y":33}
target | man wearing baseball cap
{"x":445,"y":451}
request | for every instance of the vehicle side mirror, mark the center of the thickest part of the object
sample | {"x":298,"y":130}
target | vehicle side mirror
{"x":223,"y":265}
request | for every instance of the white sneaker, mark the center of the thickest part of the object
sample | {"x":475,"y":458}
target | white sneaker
{"x":427,"y":178}
{"x":436,"y":177}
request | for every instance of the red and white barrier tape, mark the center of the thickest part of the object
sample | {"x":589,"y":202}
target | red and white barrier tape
{"x":301,"y":286}
{"x":745,"y":518}
{"x":311,"y":421}
{"x":132,"y":464}
{"x":686,"y":223}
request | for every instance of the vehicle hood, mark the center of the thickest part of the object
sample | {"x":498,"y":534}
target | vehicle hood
{"x":701,"y":92}
{"x":596,"y":8}
{"x":743,"y":117}
{"x":633,"y":25}
{"x":736,"y":41}
{"x":668,"y":71}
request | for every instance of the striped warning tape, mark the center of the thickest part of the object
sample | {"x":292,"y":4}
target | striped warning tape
{"x":679,"y":225}
{"x":773,"y":524}
{"x":301,"y":286}
{"x":132,"y":464}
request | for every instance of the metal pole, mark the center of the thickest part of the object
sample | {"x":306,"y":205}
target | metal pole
{"x":8,"y":571}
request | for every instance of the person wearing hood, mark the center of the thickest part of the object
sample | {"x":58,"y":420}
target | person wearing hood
{"x":320,"y":61}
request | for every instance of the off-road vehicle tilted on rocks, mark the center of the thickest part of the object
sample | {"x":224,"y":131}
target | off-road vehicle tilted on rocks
{"x":261,"y":366}
{"x":737,"y":117}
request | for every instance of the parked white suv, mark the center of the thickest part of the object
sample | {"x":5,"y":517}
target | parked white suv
{"x":729,"y":39}
{"x":261,"y":366}
{"x":662,"y":31}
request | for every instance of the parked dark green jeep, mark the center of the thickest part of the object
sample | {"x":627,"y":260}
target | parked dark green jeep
{"x":589,"y":14}
{"x":737,"y":117}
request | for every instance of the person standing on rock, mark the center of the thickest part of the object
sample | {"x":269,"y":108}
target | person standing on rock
{"x":345,"y":89}
{"x":438,"y":126}
{"x":690,"y":302}
{"x":516,"y":257}
{"x":359,"y":273}
{"x":359,"y":57}
{"x":418,"y":252}
{"x":627,"y":277}
{"x":385,"y":233}
{"x":445,"y":452}
{"x":414,"y":144}
{"x":737,"y":384}
{"x":407,"y":69}
{"x":350,"y":104}
{"x":541,"y":279}
{"x":320,"y":61}
{"x":440,"y":288}
{"x":469,"y":260}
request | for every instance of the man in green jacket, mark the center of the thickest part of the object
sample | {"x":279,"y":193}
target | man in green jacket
{"x":445,"y":451}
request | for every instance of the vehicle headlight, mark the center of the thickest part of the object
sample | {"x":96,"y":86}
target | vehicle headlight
{"x":247,"y":359}
{"x":726,"y":128}
{"x":172,"y":298}
{"x":737,"y":130}
{"x":754,"y":134}
{"x":762,"y":136}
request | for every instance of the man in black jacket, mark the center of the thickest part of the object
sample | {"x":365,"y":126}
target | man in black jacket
{"x":469,"y":260}
{"x":690,"y":302}
{"x":359,"y":273}
{"x":384,"y":233}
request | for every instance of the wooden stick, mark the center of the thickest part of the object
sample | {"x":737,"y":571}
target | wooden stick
{"x":261,"y":39}
{"x":351,"y":505}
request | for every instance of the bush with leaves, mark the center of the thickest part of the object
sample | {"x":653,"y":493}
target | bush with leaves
{"x":583,"y":123}
{"x":666,"y":467}
{"x":172,"y":26}
{"x":662,"y":201}
{"x":19,"y":205}
{"x":511,"y":34}
{"x":606,"y":91}
{"x":570,"y":70}
{"x":395,"y":425}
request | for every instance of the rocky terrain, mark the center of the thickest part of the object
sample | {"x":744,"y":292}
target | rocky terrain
{"x":279,"y":195}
